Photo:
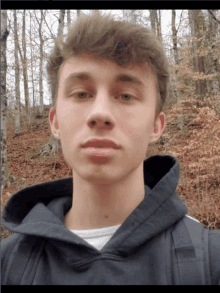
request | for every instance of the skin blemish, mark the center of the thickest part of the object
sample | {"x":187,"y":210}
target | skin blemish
{"x":106,"y":216}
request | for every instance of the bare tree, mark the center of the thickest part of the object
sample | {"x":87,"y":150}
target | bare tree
{"x":61,"y":23}
{"x":41,"y":64}
{"x":41,"y":61}
{"x":32,"y":70}
{"x":153,"y":19}
{"x":24,"y":67}
{"x":174,"y":32}
{"x":24,"y":63}
{"x":158,"y":21}
{"x":212,"y":54}
{"x":214,"y":16}
{"x":68,"y":19}
{"x":17,"y":129}
{"x":133,"y":16}
{"x":180,"y":119}
{"x":198,"y":32}
{"x":53,"y":146}
{"x":5,"y":172}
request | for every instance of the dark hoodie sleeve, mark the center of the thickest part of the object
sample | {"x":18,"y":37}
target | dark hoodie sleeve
{"x":214,"y":256}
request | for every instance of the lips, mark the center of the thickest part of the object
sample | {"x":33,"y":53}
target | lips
{"x":100,"y":143}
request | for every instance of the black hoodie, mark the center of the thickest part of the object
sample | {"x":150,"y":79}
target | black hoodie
{"x":136,"y":254}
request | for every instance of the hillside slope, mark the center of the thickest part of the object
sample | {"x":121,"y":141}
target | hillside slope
{"x":196,"y":145}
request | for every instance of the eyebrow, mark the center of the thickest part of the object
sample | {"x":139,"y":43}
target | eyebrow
{"x":84,"y":75}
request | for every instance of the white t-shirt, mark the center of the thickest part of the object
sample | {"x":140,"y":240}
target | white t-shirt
{"x":97,"y":237}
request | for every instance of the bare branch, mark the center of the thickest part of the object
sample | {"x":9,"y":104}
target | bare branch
{"x":213,"y":16}
{"x":36,"y":17}
{"x":52,"y":35}
{"x":179,"y":22}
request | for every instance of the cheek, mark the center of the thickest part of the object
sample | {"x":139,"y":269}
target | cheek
{"x":67,"y":118}
{"x":65,"y":111}
{"x":134,"y":126}
{"x":127,"y":129}
{"x":128,"y":124}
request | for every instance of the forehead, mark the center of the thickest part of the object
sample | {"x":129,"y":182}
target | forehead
{"x":82,"y":67}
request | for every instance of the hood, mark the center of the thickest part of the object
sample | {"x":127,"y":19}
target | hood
{"x":39,"y":210}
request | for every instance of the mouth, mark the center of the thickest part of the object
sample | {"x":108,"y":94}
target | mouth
{"x":100,"y":154}
{"x":100,"y":151}
{"x":100,"y":143}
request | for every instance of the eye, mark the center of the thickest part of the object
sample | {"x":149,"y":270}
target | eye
{"x":81,"y":95}
{"x":127,"y":96}
{"x":84,"y":95}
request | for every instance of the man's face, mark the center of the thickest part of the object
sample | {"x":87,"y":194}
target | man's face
{"x":99,"y":95}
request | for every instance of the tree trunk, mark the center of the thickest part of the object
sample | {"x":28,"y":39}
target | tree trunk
{"x":53,"y":146}
{"x":5,"y":172}
{"x":41,"y":64}
{"x":17,"y":129}
{"x":175,"y":50}
{"x":61,"y":23}
{"x":180,"y":119}
{"x":198,"y":31}
{"x":153,"y":14}
{"x":26,"y":91}
{"x":68,"y":19}
{"x":212,"y":55}
{"x":133,"y":16}
{"x":174,"y":31}
{"x":32,"y":71}
{"x":158,"y":22}
{"x":124,"y":14}
{"x":78,"y":12}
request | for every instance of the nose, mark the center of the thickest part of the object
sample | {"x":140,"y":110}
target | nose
{"x":101,"y":116}
{"x":100,"y":123}
{"x":106,"y":123}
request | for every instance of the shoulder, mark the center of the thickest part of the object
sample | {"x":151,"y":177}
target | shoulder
{"x":214,"y":256}
{"x":209,"y":242}
{"x":13,"y":250}
{"x":8,"y":244}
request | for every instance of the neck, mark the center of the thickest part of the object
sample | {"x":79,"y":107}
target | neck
{"x":98,"y":206}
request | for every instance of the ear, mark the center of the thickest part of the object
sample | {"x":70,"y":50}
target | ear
{"x":54,"y":123}
{"x":159,"y":127}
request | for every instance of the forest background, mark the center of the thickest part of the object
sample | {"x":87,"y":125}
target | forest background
{"x":31,"y":155}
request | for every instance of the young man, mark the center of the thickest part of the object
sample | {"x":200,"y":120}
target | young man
{"x":112,"y":222}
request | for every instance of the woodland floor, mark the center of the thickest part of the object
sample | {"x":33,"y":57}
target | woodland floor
{"x":196,"y":146}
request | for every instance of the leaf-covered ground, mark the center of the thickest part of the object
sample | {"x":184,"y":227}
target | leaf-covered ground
{"x":196,"y":146}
